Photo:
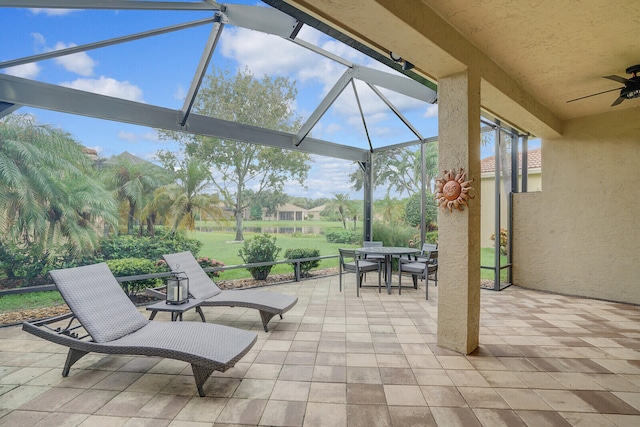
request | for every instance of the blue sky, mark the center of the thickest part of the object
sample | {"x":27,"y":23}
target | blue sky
{"x":158,"y":71}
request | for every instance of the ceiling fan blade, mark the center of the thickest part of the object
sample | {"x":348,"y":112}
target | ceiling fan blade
{"x":617,"y":79}
{"x":618,"y":101}
{"x":594,"y":94}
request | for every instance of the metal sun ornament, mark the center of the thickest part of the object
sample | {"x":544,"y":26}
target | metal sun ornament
{"x":452,"y":191}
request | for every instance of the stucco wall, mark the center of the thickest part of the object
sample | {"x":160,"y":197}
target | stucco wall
{"x":581,"y":234}
{"x":488,"y":221}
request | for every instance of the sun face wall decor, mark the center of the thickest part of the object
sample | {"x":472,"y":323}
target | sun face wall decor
{"x":452,"y":191}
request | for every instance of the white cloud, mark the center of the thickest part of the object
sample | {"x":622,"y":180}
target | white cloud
{"x":38,"y":38}
{"x":79,"y":63}
{"x":27,"y":71}
{"x":51,"y":12}
{"x":275,"y":56}
{"x":180,"y":93}
{"x":432,"y":111}
{"x":107,"y":86}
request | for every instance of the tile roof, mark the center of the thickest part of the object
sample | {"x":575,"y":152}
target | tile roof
{"x":534,"y":160}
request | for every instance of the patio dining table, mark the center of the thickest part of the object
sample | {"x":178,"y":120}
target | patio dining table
{"x":389,"y":252}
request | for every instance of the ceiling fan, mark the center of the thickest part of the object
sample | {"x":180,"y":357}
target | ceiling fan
{"x":630,"y":90}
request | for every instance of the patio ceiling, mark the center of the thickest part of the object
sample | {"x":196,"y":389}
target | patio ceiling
{"x":16,"y":92}
{"x":534,"y":56}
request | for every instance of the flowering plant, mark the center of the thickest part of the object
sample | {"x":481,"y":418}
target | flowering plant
{"x":206,"y":262}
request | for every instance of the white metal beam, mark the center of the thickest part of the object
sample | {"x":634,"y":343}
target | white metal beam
{"x":403,"y":85}
{"x":264,"y":19}
{"x":19,"y":91}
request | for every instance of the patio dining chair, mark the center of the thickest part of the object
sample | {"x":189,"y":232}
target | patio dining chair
{"x":423,"y":256}
{"x":370,"y":257}
{"x":419,"y":269}
{"x":352,"y":262}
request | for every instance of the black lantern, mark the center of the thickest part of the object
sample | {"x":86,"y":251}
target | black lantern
{"x":177,"y":288}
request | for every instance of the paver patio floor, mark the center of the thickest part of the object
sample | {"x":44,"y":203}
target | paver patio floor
{"x":338,"y":360}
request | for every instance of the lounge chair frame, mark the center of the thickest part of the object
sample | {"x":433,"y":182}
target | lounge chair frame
{"x":202,"y":287}
{"x":206,"y":347}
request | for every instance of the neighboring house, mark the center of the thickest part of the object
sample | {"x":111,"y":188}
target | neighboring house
{"x":90,"y":153}
{"x":287,"y":212}
{"x":313,"y":214}
{"x":128,"y":157}
{"x":488,"y":189}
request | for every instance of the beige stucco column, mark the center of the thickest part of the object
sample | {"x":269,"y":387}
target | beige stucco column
{"x":459,"y":232}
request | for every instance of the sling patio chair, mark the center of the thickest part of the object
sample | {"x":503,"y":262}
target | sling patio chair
{"x":419,"y":269}
{"x":352,"y":262}
{"x":104,"y":320}
{"x":203,"y":288}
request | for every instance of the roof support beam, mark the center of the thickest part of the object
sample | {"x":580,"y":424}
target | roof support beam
{"x":263,"y":19}
{"x":364,"y":122}
{"x":327,"y":101}
{"x":398,"y":84}
{"x":396,"y":111}
{"x":15,"y":90}
{"x":205,"y":59}
{"x":104,"y":43}
{"x":112,"y":4}
{"x":7,"y":108}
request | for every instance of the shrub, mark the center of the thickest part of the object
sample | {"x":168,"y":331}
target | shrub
{"x":392,"y":235}
{"x":152,"y":248}
{"x":503,"y":240}
{"x":261,"y":248}
{"x":133,"y":267}
{"x":206,"y":262}
{"x":341,"y":235}
{"x":413,"y":213}
{"x":21,"y":262}
{"x":305,"y":266}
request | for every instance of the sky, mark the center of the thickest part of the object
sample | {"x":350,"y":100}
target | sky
{"x":158,"y":71}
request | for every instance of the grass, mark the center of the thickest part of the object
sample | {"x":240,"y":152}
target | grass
{"x":30,"y":300}
{"x":221,"y":245}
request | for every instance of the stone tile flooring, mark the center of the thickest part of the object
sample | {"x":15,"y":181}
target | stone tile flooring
{"x":338,"y":360}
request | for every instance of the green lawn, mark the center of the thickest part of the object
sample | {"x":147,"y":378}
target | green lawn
{"x":221,"y":245}
{"x":30,"y":300}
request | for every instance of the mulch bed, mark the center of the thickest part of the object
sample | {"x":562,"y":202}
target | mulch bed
{"x":16,"y":317}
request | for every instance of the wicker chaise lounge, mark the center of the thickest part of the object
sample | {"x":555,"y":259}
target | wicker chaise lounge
{"x":104,"y":320}
{"x":202,"y":287}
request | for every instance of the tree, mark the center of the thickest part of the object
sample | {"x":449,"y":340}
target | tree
{"x":413,"y":212}
{"x":49,"y":197}
{"x":133,"y":185}
{"x":238,"y":166}
{"x":343,"y":206}
{"x":391,"y":209}
{"x":400,"y":169}
{"x":183,"y":200}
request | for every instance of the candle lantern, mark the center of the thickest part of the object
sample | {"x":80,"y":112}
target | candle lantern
{"x":177,"y":288}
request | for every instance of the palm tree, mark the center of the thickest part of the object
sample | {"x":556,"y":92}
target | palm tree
{"x":182,"y":201}
{"x":343,"y":205}
{"x":133,"y":185}
{"x":391,"y":209}
{"x":48,"y":196}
